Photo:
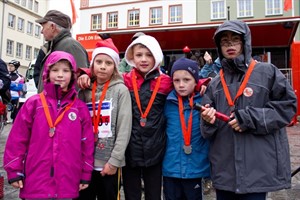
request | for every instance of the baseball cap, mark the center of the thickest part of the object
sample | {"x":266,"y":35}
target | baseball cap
{"x":57,"y":17}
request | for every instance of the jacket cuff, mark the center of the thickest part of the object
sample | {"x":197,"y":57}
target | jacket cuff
{"x":10,"y":181}
{"x":81,"y":71}
{"x":203,"y":81}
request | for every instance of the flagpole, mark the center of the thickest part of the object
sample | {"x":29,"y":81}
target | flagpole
{"x":293,"y":11}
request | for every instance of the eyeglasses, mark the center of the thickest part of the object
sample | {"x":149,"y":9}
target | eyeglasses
{"x":234,"y":41}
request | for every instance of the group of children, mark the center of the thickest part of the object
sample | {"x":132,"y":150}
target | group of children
{"x":145,"y":123}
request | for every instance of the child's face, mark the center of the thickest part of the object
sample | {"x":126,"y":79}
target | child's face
{"x":231,"y":45}
{"x":11,"y":67}
{"x":103,"y":67}
{"x":184,"y":83}
{"x":143,"y":59}
{"x":60,"y":73}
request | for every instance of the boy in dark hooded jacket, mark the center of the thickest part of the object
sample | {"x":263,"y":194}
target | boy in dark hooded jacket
{"x":249,"y":155}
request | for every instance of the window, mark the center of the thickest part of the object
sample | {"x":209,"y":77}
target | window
{"x":30,"y":4}
{"x":96,"y":22}
{"x":29,"y":28}
{"x":245,"y":8}
{"x":36,"y":6}
{"x":17,"y":1}
{"x":23,"y":3}
{"x":35,"y":52}
{"x":273,"y":7}
{"x":37,"y":31}
{"x":9,"y":47}
{"x":19,"y":50}
{"x":218,"y":9}
{"x":175,"y":14}
{"x":134,"y":18}
{"x":112,"y":20}
{"x":156,"y":15}
{"x":11,"y":20}
{"x":20,"y":24}
{"x":28,"y":52}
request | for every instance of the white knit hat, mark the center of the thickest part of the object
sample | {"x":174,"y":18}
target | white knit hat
{"x":106,"y":47}
{"x":151,"y":43}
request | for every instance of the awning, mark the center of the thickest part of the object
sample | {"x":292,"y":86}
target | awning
{"x":272,"y":32}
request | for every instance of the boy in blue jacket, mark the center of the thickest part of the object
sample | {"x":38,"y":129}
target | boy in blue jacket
{"x":186,"y":157}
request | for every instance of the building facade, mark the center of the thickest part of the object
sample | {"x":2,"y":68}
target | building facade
{"x":20,"y":35}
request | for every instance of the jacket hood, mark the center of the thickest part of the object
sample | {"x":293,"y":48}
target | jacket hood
{"x":53,"y":58}
{"x":241,"y":28}
{"x":152,"y":44}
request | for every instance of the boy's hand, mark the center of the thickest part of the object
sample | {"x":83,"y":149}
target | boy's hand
{"x":208,"y":114}
{"x":83,"y":186}
{"x":207,"y":58}
{"x":17,"y":184}
{"x":84,"y":81}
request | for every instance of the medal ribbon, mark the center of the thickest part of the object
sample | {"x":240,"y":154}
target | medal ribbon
{"x":242,"y":87}
{"x":187,"y":132}
{"x":137,"y":97}
{"x":48,"y":116}
{"x":96,"y":119}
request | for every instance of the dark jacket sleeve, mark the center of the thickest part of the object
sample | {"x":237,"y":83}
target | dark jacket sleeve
{"x":38,"y":66}
{"x":4,"y":77}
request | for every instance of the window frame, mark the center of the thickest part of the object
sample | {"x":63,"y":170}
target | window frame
{"x":112,"y":20}
{"x":11,"y":23}
{"x":10,"y":47}
{"x":28,"y":52}
{"x":134,"y":18}
{"x":218,"y":14}
{"x":21,"y":23}
{"x":177,"y":18}
{"x":157,"y":17}
{"x":29,"y":28}
{"x":19,"y":50}
{"x":98,"y":22}
{"x":246,"y":11}
{"x":271,"y":11}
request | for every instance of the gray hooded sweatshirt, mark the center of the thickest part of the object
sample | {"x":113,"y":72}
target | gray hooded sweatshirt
{"x":257,"y":159}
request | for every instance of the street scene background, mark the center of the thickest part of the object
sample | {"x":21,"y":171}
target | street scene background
{"x":291,"y":194}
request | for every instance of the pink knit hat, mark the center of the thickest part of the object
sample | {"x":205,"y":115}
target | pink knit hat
{"x":107,"y":47}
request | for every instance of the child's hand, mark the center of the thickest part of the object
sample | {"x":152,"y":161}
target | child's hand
{"x":207,"y":58}
{"x":203,"y":89}
{"x":83,"y":186}
{"x":84,"y":81}
{"x":108,"y":169}
{"x":234,"y":123}
{"x":17,"y":184}
{"x":208,"y":114}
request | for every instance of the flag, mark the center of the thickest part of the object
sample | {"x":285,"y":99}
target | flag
{"x":74,"y":14}
{"x":287,"y":5}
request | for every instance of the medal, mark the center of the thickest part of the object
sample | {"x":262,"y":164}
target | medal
{"x":51,"y":131}
{"x":143,"y":121}
{"x":187,"y":149}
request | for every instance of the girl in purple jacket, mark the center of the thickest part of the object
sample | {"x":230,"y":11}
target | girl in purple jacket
{"x":49,"y":151}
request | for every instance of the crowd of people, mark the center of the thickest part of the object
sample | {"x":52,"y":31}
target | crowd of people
{"x":79,"y":138}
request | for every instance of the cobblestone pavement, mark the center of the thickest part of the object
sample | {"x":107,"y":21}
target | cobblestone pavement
{"x":290,"y":194}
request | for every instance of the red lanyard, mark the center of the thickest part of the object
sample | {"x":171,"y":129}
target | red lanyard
{"x":242,"y":87}
{"x":96,"y":118}
{"x":48,"y":116}
{"x":187,"y":132}
{"x":137,"y":98}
